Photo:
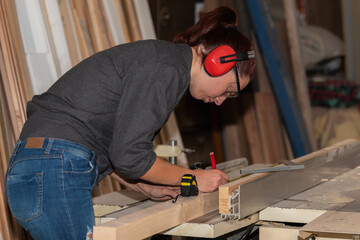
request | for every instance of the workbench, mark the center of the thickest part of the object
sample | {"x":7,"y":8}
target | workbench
{"x":330,"y":210}
{"x":320,"y":201}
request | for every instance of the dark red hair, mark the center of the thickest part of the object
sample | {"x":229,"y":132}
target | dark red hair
{"x":216,"y":28}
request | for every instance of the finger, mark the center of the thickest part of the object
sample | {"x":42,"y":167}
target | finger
{"x":226,"y":176}
{"x":162,"y":198}
{"x":169,"y":192}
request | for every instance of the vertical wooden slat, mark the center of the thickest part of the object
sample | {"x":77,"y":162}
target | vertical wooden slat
{"x":97,"y":30}
{"x":84,"y":49}
{"x":69,"y":30}
{"x":299,"y":74}
{"x":270,"y":128}
{"x":131,"y":19}
{"x":19,"y":49}
{"x":251,"y":128}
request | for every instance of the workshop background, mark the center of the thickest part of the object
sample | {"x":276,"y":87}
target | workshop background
{"x":304,"y":96}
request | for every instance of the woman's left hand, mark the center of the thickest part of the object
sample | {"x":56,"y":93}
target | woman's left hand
{"x":158,"y":192}
{"x":153,"y":191}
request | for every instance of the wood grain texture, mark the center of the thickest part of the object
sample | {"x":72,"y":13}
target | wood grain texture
{"x":300,"y":80}
{"x":269,"y":127}
{"x":158,"y":218}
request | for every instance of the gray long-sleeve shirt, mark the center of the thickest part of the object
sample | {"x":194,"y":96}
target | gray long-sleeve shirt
{"x":115,"y":102}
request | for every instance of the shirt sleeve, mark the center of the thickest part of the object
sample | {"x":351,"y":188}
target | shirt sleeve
{"x":148,"y":97}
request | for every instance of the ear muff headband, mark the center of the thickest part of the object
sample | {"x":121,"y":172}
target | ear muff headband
{"x":223,"y":58}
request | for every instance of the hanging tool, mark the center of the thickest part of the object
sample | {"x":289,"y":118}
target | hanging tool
{"x":189,"y":186}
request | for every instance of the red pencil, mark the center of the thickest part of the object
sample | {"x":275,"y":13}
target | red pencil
{"x":213,"y":163}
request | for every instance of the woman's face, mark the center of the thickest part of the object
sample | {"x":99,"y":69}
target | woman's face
{"x":214,"y":89}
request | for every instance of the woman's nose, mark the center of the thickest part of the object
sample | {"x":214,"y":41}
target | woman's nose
{"x":219,"y":100}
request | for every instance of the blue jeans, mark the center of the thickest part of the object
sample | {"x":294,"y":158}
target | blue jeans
{"x":48,"y":185}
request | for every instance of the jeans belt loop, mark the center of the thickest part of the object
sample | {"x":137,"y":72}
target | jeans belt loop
{"x":48,"y":147}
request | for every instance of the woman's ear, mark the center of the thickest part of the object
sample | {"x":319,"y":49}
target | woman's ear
{"x":200,"y":49}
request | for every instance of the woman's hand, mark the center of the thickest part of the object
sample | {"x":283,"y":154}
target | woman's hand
{"x":157,"y":192}
{"x":210,"y":180}
{"x":153,"y":191}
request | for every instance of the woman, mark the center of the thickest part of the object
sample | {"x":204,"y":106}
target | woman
{"x":101,"y":117}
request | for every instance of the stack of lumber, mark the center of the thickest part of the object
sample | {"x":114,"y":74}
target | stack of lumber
{"x":14,"y":92}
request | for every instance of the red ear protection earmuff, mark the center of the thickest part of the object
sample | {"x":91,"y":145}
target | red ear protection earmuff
{"x":223,"y":58}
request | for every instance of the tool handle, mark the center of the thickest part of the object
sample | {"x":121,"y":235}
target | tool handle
{"x":213,"y":163}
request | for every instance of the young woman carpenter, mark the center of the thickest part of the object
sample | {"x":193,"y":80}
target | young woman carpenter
{"x":101,"y":117}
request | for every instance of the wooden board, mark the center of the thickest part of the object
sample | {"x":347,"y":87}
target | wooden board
{"x":335,"y":222}
{"x":269,"y":127}
{"x":211,"y":225}
{"x":166,"y":215}
{"x":261,"y":190}
{"x":20,"y":60}
{"x":131,"y":19}
{"x":301,"y":86}
{"x":252,"y":129}
{"x":68,"y":22}
{"x":279,"y":76}
{"x":39,"y":55}
{"x":144,"y":18}
{"x":98,"y":31}
{"x":57,"y":35}
{"x":114,"y":18}
{"x":5,"y":225}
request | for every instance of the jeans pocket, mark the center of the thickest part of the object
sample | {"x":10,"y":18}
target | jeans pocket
{"x":25,"y":195}
{"x":77,"y":163}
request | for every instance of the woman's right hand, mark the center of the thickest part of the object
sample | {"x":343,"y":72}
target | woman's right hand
{"x":210,"y":180}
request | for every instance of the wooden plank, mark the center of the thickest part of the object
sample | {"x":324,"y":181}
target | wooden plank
{"x":13,"y":125}
{"x":280,"y":78}
{"x":14,"y":95}
{"x":56,"y":34}
{"x":301,"y":86}
{"x":276,"y":232}
{"x":84,"y":50}
{"x":271,"y":137}
{"x":124,"y":25}
{"x":235,"y":144}
{"x":39,"y":56}
{"x":97,"y":27}
{"x":5,"y":225}
{"x":216,"y":134}
{"x":131,"y":20}
{"x":251,"y":128}
{"x":144,"y":18}
{"x":335,"y":222}
{"x":317,"y":165}
{"x":114,"y":19}
{"x":210,"y":225}
{"x":7,"y":136}
{"x":69,"y":30}
{"x":19,"y":50}
{"x":158,"y":218}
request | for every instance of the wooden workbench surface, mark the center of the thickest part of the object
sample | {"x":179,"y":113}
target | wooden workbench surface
{"x":329,"y":207}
